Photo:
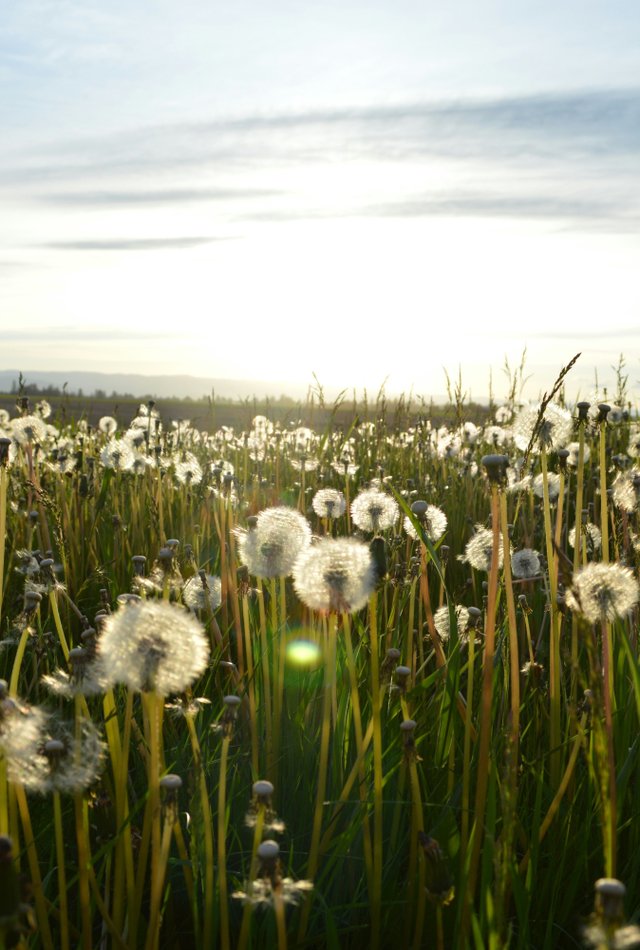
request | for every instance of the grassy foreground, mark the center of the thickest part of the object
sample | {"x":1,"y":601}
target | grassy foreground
{"x":221,"y":728}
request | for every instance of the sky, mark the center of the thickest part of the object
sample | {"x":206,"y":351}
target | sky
{"x":371,"y":192}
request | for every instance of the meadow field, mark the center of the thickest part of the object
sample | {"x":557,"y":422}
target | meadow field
{"x":370,"y":681}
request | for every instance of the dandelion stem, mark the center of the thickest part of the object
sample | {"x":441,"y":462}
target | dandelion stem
{"x":314,"y":849}
{"x":62,"y":878}
{"x":222,"y":845}
{"x":484,"y":750}
{"x":34,"y":869}
{"x":376,"y":902}
{"x":207,"y":832}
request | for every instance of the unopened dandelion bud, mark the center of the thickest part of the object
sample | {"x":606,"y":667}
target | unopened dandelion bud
{"x":609,"y":900}
{"x":170,"y":786}
{"x":172,"y":543}
{"x":496,"y":468}
{"x":10,"y":897}
{"x":32,"y":600}
{"x":379,"y":555}
{"x":33,"y":517}
{"x":252,"y":522}
{"x":438,"y":881}
{"x":387,"y":666}
{"x":262,"y":790}
{"x":5,"y":445}
{"x":407,"y":728}
{"x":268,"y":854}
{"x":583,"y":411}
{"x":402,"y":675}
{"x":603,"y":411}
{"x":444,"y":553}
{"x":78,"y":657}
{"x":138,"y":561}
{"x":475,"y":615}
{"x":419,"y":508}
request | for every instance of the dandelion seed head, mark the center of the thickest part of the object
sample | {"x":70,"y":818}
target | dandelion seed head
{"x":71,"y":756}
{"x":28,"y":429}
{"x":625,"y":490}
{"x":329,"y":503}
{"x":108,"y":425}
{"x":478,"y":551}
{"x":117,"y":454}
{"x":335,"y":575}
{"x":202,"y":592}
{"x":153,"y":645}
{"x":271,"y":547}
{"x":442,"y":622}
{"x":525,"y":563}
{"x":433,"y":520}
{"x":554,"y":432}
{"x":591,"y":536}
{"x":374,"y":510}
{"x":553,"y":484}
{"x":603,"y":592}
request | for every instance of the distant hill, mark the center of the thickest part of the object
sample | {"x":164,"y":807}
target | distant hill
{"x":158,"y":387}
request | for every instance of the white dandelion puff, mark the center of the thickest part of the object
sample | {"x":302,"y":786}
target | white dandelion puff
{"x":329,"y":503}
{"x":202,"y":591}
{"x":478,"y":551}
{"x":554,"y":431}
{"x":525,"y":563}
{"x":603,"y":592}
{"x":335,"y":575}
{"x":153,"y":645}
{"x":374,"y":510}
{"x":271,"y":547}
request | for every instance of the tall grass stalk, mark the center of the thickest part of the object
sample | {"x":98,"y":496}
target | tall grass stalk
{"x":485,"y":755}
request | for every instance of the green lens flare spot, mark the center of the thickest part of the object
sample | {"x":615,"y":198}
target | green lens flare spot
{"x":303,"y":653}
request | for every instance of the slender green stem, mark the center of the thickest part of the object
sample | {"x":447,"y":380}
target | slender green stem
{"x":62,"y":878}
{"x":222,"y":845}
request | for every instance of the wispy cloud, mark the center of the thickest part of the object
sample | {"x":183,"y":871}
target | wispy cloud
{"x":159,"y":196}
{"x":563,"y":127}
{"x":566,"y":158}
{"x":133,"y":244}
{"x":68,"y":334}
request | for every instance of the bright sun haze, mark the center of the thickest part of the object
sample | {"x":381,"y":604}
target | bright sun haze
{"x":364,"y":191}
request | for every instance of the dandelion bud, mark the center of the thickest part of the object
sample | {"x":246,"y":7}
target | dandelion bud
{"x":583,"y":410}
{"x":407,"y":728}
{"x":419,"y":508}
{"x":263,"y":790}
{"x":170,"y":786}
{"x":391,"y":658}
{"x":609,"y":902}
{"x":33,"y":517}
{"x":496,"y":466}
{"x":603,"y":411}
{"x":402,"y":674}
{"x":563,"y":455}
{"x":268,"y":853}
{"x":379,"y":555}
{"x":438,"y":881}
{"x":5,"y":445}
{"x":138,"y":561}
